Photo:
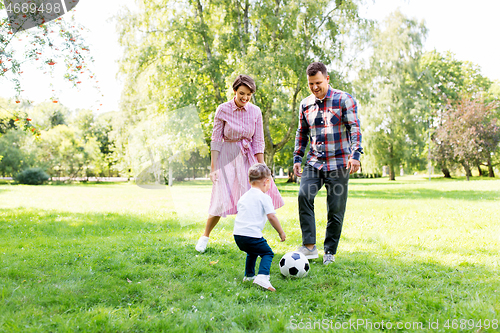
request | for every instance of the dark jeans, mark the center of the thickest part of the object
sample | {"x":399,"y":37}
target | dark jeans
{"x":255,"y":247}
{"x":335,"y":182}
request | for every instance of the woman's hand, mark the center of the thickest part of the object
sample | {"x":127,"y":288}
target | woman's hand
{"x":214,"y":176}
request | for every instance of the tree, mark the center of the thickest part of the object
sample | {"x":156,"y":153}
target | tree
{"x":449,"y":81}
{"x":390,"y":89}
{"x":15,"y":157}
{"x":189,"y":52}
{"x":471,"y":132}
{"x":53,"y":44}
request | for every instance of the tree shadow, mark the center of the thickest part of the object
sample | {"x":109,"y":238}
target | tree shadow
{"x":423,"y":193}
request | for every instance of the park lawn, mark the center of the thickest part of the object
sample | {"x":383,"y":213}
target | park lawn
{"x":120,"y":258}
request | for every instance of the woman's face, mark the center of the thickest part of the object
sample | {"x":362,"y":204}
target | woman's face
{"x":243,"y":95}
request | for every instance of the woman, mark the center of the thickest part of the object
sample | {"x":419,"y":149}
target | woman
{"x":237,"y":144}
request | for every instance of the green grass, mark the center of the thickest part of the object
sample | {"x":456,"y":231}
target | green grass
{"x":119,"y":258}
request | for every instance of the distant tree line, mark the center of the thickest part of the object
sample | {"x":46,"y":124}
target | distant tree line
{"x":69,"y":144}
{"x":418,"y":109}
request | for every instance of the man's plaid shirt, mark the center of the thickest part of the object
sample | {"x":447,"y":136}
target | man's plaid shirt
{"x":333,"y":127}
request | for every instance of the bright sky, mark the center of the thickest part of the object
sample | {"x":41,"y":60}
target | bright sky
{"x":467,"y":29}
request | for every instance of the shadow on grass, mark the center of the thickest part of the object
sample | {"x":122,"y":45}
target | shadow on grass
{"x":405,"y":194}
{"x":107,"y":271}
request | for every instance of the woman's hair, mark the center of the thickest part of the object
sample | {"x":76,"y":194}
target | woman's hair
{"x":258,"y":171}
{"x":316,"y":67}
{"x":244,"y":80}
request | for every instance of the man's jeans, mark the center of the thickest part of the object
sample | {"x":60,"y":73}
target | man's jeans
{"x":336,"y":182}
{"x":255,"y":247}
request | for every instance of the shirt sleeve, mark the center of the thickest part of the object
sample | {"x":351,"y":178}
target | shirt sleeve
{"x":258,"y":143}
{"x":353,"y":125}
{"x":267,"y":204}
{"x":218,"y":131}
{"x":301,"y":137}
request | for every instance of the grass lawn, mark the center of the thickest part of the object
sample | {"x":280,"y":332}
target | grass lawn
{"x":120,"y":258}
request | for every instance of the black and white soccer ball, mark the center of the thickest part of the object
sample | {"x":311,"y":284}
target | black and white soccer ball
{"x":294,"y":264}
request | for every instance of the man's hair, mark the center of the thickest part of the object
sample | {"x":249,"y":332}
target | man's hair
{"x":244,"y":80}
{"x":316,"y":67}
{"x":258,"y":171}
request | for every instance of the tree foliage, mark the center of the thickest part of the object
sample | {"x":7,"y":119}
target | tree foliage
{"x":58,"y":43}
{"x":450,"y":82}
{"x":470,"y":131}
{"x":390,"y":89}
{"x":189,"y":52}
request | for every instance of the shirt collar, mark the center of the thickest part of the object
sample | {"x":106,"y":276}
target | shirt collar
{"x":329,"y":94}
{"x":236,"y":107}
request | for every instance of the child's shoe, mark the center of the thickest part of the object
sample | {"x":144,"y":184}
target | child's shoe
{"x":201,"y":246}
{"x":263,"y":281}
{"x":248,"y":278}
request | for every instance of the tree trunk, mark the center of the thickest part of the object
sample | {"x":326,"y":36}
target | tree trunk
{"x":292,"y":178}
{"x":208,"y":52}
{"x":446,"y":172}
{"x":468,"y":173}
{"x":392,"y":174}
{"x":269,"y":157}
{"x":490,"y":169}
{"x":479,"y":170}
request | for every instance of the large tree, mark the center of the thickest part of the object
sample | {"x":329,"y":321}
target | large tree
{"x":188,"y":53}
{"x":450,"y":80}
{"x":58,"y":43}
{"x":390,"y":91}
{"x":471,"y":131}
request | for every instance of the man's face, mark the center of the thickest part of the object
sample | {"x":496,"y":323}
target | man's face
{"x":318,"y":84}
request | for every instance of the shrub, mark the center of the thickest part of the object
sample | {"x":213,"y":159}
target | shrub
{"x":32,"y":176}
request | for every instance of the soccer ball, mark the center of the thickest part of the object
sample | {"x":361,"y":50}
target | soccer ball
{"x":294,"y":264}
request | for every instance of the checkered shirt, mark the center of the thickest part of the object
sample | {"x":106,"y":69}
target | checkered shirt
{"x":333,"y":128}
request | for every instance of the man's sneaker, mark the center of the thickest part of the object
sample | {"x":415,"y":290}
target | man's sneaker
{"x":263,"y":281}
{"x":328,"y":258}
{"x":310,"y":254}
{"x":248,"y":278}
{"x":201,"y":246}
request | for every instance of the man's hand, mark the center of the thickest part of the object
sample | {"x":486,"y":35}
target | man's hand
{"x":353,"y":165}
{"x":296,"y":170}
{"x":282,"y":236}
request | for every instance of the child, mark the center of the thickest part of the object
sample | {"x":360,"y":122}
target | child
{"x":254,"y":208}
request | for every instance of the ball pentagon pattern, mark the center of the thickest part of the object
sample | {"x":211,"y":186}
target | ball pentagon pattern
{"x":294,"y":264}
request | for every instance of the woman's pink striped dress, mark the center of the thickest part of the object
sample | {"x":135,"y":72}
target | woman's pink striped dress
{"x":238,"y":135}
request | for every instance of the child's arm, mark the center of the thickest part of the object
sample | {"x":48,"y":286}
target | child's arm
{"x":276,"y":225}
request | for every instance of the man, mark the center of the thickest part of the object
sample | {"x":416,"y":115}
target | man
{"x":328,"y":118}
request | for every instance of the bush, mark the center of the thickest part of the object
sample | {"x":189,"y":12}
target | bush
{"x":32,"y":176}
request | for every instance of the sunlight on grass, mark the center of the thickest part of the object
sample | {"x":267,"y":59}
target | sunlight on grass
{"x":117,"y":257}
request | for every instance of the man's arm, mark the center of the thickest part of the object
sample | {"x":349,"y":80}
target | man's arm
{"x":353,"y":124}
{"x":301,"y":140}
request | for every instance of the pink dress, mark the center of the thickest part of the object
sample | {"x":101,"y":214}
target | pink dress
{"x":237,"y":135}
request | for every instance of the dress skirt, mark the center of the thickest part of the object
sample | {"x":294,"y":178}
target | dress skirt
{"x":232,"y":165}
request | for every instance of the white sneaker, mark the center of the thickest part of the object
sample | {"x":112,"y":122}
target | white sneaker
{"x":201,"y":246}
{"x":248,"y":278}
{"x":263,"y":281}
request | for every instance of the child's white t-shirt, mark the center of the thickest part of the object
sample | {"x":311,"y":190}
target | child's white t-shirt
{"x":253,"y":208}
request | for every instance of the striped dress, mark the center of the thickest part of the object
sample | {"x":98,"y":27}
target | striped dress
{"x":237,"y":135}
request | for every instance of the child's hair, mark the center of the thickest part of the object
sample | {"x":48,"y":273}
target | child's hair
{"x":258,"y":171}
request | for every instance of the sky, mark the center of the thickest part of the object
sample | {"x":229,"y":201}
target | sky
{"x":468,"y":29}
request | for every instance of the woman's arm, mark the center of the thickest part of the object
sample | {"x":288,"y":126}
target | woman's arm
{"x":214,"y":175}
